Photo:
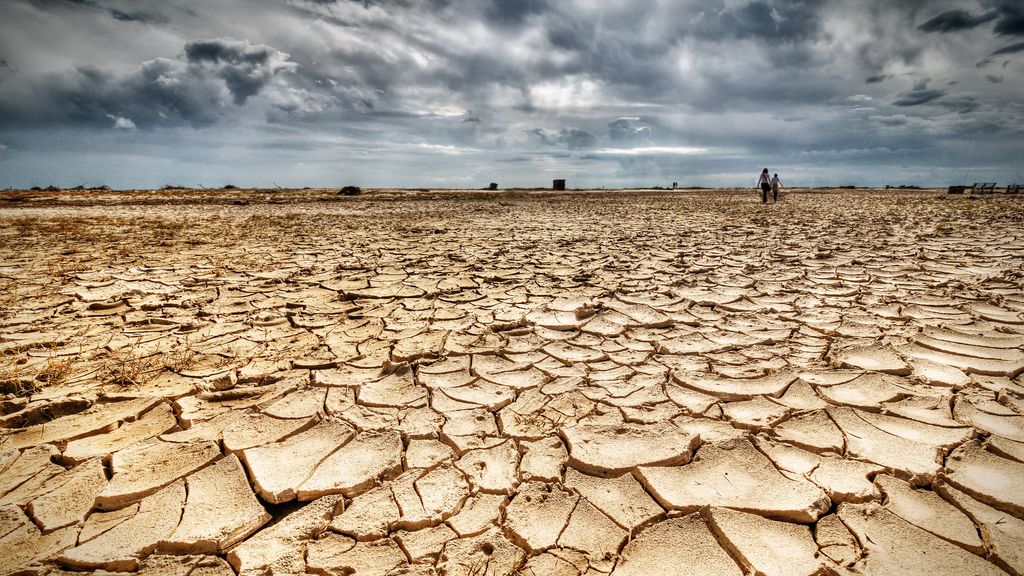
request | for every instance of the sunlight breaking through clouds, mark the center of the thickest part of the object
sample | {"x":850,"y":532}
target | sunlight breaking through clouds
{"x":653,"y":151}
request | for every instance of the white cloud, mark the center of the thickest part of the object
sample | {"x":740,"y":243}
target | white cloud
{"x":574,"y":92}
{"x":122,"y":123}
{"x":441,"y":149}
{"x":652,"y":151}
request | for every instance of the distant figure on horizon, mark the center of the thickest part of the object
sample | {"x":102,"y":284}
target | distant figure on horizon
{"x":776,"y":184}
{"x":765,"y":181}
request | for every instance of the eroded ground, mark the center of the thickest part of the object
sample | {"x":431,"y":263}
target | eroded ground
{"x":480,"y":383}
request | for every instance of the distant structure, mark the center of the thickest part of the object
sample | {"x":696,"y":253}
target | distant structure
{"x":675,"y":185}
{"x":493,"y":186}
{"x":558,"y":185}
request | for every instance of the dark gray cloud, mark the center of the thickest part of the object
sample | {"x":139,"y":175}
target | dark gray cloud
{"x":779,"y":21}
{"x":513,"y":12}
{"x":918,"y":97}
{"x":542,"y":136}
{"x":956,"y":21}
{"x":570,"y":138}
{"x":577,"y":139}
{"x":121,"y":11}
{"x":960,"y":104}
{"x":130,"y":16}
{"x":894,"y":121}
{"x":1011,"y":17}
{"x":160,"y":92}
{"x":629,"y":130}
{"x":1011,"y":49}
{"x":245,"y":68}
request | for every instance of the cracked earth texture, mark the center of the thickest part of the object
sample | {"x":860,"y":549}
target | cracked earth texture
{"x":467,"y":383}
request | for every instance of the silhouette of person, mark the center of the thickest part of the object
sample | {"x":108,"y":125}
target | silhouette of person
{"x":765,"y":181}
{"x":776,"y":184}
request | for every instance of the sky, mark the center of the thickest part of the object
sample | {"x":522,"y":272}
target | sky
{"x":461,"y":93}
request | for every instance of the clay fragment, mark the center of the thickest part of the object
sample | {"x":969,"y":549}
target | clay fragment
{"x":1003,"y":534}
{"x":70,"y":502}
{"x":656,"y":551}
{"x":987,"y":477}
{"x":813,"y":431}
{"x":100,"y":418}
{"x":893,"y":545}
{"x":538,"y":514}
{"x":153,"y":423}
{"x":142,"y":469}
{"x":765,"y":546}
{"x":918,"y":461}
{"x":610,"y":449}
{"x":336,"y":554}
{"x":592,"y":532}
{"x":873,"y":358}
{"x":543,"y":460}
{"x":466,"y":556}
{"x":355,"y":466}
{"x":930,"y":512}
{"x":835,"y":541}
{"x":280,"y":468}
{"x":622,"y":498}
{"x":121,"y":548}
{"x":220,"y":510}
{"x":743,"y":389}
{"x":735,"y":475}
{"x":493,"y":470}
{"x":281,"y":547}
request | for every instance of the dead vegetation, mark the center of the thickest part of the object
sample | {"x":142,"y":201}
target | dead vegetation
{"x":128,"y":367}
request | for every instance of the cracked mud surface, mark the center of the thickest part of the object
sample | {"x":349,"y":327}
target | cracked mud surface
{"x":463,"y":383}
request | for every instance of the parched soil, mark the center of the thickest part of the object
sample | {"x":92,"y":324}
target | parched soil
{"x":203,"y":383}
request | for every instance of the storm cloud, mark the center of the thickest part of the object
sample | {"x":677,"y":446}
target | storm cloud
{"x":628,"y":129}
{"x":918,"y":97}
{"x":244,"y":68}
{"x":1008,"y":15}
{"x":956,"y":20}
{"x":196,"y":89}
{"x":396,"y":92}
{"x":1011,"y":17}
{"x":1011,"y":49}
{"x":571,"y":138}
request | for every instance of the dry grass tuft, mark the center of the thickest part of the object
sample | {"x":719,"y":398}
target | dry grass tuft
{"x":182,"y":358}
{"x":14,"y":377}
{"x":128,"y":368}
{"x":57,"y":370}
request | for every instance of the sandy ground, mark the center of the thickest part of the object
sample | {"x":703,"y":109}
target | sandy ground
{"x":409,"y":382}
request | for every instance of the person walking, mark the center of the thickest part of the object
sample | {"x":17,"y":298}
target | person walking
{"x":765,"y":182}
{"x":776,"y":184}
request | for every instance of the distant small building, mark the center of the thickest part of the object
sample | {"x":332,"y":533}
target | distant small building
{"x":558,"y":185}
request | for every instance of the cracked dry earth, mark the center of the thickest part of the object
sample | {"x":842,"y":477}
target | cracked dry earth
{"x":620,"y":383}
